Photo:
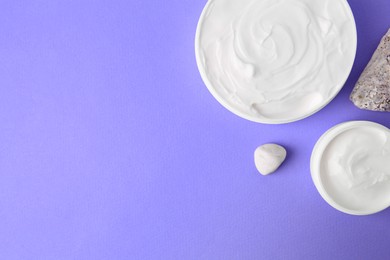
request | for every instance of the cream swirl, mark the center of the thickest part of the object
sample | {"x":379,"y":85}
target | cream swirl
{"x":275,"y":60}
{"x":360,"y":158}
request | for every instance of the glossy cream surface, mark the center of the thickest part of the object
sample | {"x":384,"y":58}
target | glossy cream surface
{"x":275,"y":61}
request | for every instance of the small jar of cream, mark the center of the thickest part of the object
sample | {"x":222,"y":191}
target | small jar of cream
{"x":350,"y":167}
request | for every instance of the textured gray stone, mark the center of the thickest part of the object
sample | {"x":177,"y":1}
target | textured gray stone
{"x":372,"y":91}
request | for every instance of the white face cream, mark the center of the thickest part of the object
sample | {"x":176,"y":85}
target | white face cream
{"x":350,"y":167}
{"x":275,"y":61}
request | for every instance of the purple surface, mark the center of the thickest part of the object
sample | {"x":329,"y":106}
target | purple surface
{"x":111,"y":147}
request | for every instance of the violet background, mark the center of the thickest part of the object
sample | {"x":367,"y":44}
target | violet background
{"x":111,"y":146}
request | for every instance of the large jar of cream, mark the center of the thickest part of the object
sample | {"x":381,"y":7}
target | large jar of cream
{"x":275,"y":61}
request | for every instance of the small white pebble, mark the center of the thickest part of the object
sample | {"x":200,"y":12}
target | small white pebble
{"x":269,"y":157}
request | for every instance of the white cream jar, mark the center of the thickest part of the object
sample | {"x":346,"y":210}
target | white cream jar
{"x":350,"y":166}
{"x":275,"y":61}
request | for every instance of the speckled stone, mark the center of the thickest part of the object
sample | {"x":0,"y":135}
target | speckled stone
{"x":372,"y":91}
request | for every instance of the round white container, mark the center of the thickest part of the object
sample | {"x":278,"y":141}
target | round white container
{"x":350,"y":167}
{"x":275,"y":61}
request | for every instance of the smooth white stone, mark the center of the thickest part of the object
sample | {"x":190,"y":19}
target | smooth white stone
{"x":269,"y":157}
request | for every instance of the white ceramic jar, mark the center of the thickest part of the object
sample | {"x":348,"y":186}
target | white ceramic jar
{"x":350,"y":167}
{"x":275,"y":61}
